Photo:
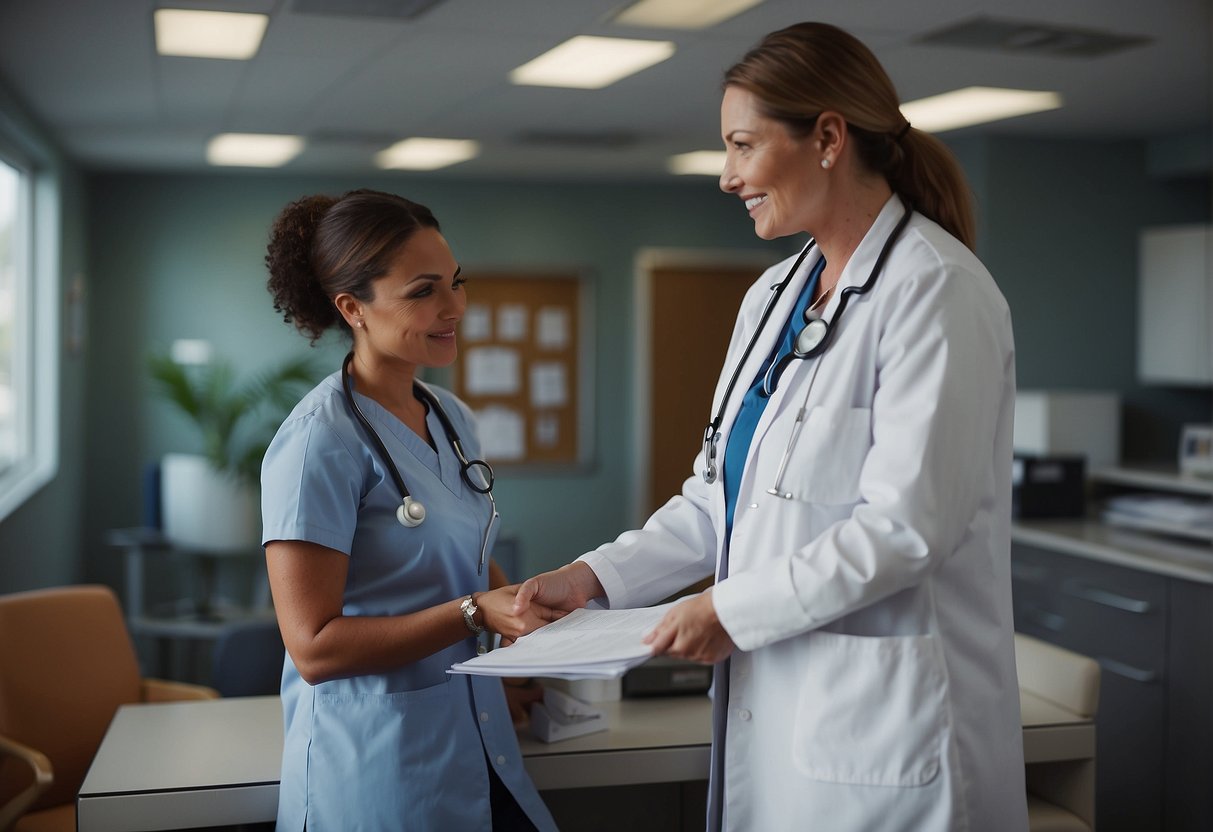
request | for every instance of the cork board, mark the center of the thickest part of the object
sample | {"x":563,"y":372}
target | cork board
{"x":522,"y":366}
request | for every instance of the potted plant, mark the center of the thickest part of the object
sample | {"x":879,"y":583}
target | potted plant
{"x":209,"y":501}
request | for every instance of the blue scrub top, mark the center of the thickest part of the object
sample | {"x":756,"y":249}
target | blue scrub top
{"x":408,"y":748}
{"x":754,"y":402}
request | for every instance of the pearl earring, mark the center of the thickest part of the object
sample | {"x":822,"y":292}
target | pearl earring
{"x":825,"y":163}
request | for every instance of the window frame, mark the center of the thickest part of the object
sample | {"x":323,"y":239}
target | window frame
{"x":36,"y":370}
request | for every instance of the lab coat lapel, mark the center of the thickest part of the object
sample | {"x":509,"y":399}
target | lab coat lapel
{"x":763,"y":346}
{"x":771,"y":333}
{"x":791,"y":390}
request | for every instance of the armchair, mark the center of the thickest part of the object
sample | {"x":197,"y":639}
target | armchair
{"x":66,"y":665}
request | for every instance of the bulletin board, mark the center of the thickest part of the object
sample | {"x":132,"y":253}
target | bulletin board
{"x":523,"y":366}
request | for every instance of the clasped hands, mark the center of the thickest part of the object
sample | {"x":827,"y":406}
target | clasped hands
{"x":690,"y":630}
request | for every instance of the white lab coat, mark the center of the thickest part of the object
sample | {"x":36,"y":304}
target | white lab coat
{"x":873,"y":686}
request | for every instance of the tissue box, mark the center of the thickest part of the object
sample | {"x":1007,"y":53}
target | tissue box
{"x":561,"y":717}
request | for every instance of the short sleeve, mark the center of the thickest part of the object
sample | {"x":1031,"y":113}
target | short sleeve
{"x":311,"y":486}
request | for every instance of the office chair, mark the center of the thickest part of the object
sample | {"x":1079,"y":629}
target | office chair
{"x":66,"y":665}
{"x":247,"y":659}
{"x":1059,"y":799}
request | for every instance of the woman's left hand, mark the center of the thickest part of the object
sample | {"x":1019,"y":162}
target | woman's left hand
{"x":692,"y":631}
{"x":520,"y":695}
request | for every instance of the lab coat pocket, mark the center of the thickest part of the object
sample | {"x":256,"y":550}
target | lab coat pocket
{"x":827,"y":456}
{"x":871,"y":710}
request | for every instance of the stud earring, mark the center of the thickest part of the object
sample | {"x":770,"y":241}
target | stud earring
{"x":825,"y":163}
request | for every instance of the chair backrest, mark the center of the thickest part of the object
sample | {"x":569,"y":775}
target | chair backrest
{"x":66,"y":665}
{"x":247,"y":660}
{"x":1065,"y":678}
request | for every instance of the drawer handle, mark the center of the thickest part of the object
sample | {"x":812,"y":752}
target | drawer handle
{"x":1048,"y":620}
{"x":1031,"y":574}
{"x":1105,"y":598}
{"x":1128,"y":671}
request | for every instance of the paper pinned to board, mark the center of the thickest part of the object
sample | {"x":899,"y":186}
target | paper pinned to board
{"x":549,"y":386}
{"x":585,"y":644}
{"x":492,"y":371}
{"x":511,"y":322}
{"x":552,"y":327}
{"x":502,"y":433}
{"x":477,"y":323}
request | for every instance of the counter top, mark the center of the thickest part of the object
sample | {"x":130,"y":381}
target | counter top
{"x":1092,"y":539}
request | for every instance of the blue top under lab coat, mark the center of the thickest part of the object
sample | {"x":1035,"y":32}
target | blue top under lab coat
{"x":406,"y":749}
{"x":755,"y":402}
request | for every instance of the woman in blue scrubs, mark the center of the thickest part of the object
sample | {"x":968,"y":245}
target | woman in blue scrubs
{"x":377,"y":735}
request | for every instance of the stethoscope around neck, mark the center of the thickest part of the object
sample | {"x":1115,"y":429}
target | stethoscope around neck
{"x":812,"y":341}
{"x":411,"y":513}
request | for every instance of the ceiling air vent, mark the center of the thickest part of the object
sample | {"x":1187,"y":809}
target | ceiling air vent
{"x":399,"y":9}
{"x":580,"y":141}
{"x":1031,"y":38}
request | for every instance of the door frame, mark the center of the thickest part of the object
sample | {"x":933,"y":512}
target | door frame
{"x":646,"y":261}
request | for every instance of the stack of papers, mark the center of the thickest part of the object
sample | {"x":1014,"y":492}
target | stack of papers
{"x":585,"y":644}
{"x":1173,"y":515}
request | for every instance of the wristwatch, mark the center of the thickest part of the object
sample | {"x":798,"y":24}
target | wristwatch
{"x":469,"y":610}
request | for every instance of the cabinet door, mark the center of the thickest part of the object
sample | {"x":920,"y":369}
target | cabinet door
{"x":1118,"y":617}
{"x":1189,"y":803}
{"x":1174,"y":306}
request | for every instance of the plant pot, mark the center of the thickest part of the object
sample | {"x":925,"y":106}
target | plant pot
{"x":206,"y":509}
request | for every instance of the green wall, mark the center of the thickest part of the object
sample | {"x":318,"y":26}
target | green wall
{"x":1061,"y":222}
{"x":182,"y":256}
{"x":173,"y":256}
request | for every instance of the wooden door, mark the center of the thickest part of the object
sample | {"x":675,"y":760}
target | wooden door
{"x":693,"y":310}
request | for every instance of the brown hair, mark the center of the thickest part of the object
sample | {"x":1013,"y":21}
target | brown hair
{"x":798,"y":72}
{"x":321,"y":246}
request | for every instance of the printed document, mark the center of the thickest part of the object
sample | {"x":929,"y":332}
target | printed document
{"x":585,"y":644}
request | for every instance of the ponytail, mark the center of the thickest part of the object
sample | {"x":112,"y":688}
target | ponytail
{"x":803,"y":70}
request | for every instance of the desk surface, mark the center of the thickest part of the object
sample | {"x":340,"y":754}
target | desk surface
{"x":142,"y":778}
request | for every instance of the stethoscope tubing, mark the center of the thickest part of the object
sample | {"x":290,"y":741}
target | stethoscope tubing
{"x":409,"y":507}
{"x":711,"y":433}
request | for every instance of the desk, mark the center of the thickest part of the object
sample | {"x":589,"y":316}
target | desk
{"x":143,"y":778}
{"x":203,"y":619}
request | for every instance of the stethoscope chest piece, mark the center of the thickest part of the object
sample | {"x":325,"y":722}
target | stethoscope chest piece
{"x":410,"y":513}
{"x":813,"y":334}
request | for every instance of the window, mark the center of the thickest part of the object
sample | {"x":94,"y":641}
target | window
{"x":29,"y":354}
{"x":11,"y":252}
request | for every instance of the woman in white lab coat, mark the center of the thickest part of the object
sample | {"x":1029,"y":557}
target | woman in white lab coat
{"x":853,"y":503}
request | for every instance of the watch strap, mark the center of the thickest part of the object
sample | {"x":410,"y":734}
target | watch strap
{"x":469,"y":609}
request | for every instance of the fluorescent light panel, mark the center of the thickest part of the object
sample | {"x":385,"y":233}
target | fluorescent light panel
{"x":975,"y":105}
{"x":682,"y":14}
{"x":426,"y":154}
{"x":256,"y":150}
{"x":591,"y":63}
{"x":698,"y":163}
{"x":197,"y":34}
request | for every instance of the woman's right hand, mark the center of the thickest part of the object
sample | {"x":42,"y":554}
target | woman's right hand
{"x":502,"y":616}
{"x":565,"y":589}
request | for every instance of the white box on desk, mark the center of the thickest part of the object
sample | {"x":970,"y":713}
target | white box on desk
{"x":1069,"y":422}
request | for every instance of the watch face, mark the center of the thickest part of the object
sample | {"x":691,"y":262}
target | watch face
{"x":470,"y":609}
